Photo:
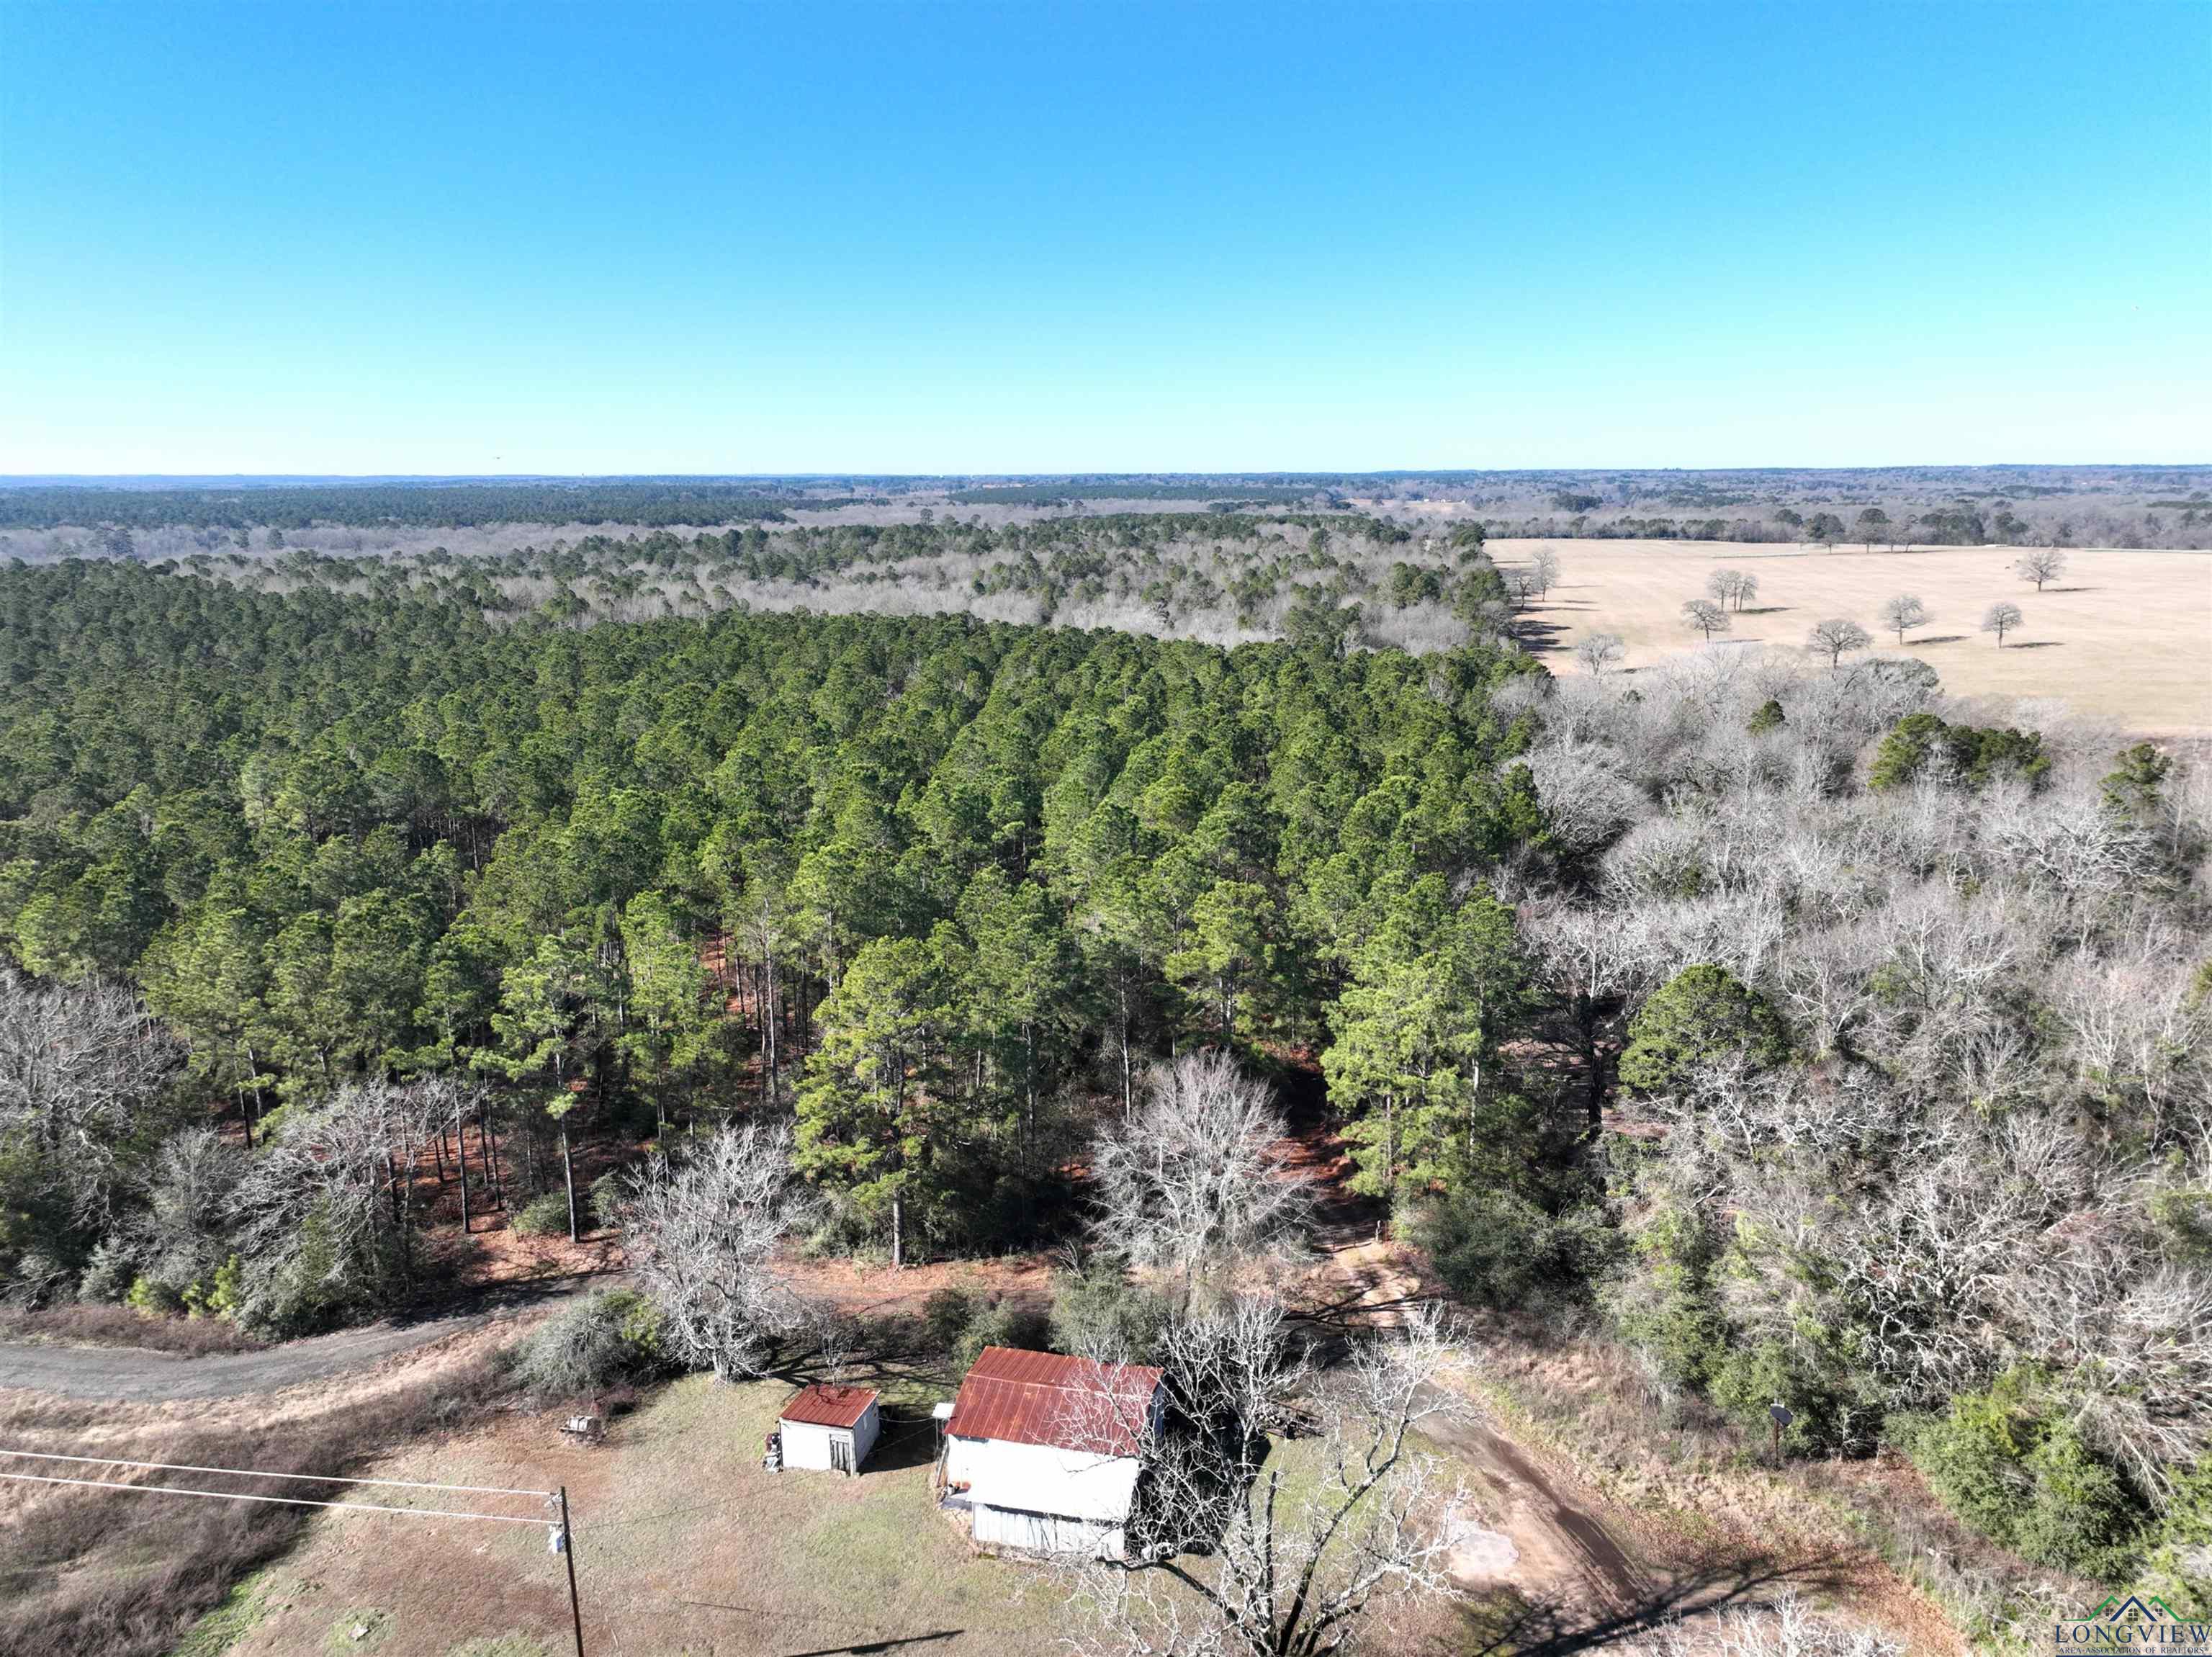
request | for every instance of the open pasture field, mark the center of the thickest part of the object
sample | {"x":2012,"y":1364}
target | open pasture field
{"x":2122,"y":634}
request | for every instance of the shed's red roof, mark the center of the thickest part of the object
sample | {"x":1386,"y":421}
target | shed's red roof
{"x":1041,"y":1397}
{"x":822,"y":1405}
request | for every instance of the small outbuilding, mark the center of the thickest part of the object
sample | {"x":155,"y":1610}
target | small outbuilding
{"x":830,"y":1428}
{"x":1043,"y":1451}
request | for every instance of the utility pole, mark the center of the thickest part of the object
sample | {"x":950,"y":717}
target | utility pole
{"x":568,"y":1554}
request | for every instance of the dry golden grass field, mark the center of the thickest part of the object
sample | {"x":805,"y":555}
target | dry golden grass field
{"x":2123,"y":635}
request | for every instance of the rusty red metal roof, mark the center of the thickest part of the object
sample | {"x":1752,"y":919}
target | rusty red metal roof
{"x":823,"y":1405}
{"x":1043,"y":1398}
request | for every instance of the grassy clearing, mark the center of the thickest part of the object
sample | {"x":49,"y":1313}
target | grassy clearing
{"x":682,"y":1545}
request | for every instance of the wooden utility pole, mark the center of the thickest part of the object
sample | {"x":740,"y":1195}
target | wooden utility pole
{"x":568,"y":1554}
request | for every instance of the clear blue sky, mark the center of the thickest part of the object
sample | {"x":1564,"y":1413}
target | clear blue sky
{"x":454,"y":237}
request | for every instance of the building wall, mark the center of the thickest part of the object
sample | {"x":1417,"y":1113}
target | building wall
{"x":1007,"y":1527}
{"x":1040,"y":1478}
{"x":807,"y":1446}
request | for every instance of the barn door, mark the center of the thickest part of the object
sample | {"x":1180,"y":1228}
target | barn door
{"x":841,"y":1454}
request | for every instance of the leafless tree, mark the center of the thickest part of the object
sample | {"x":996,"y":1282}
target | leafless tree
{"x":1544,"y":569}
{"x":1292,"y":1573}
{"x":326,"y":1214}
{"x":1732,"y":587}
{"x":1195,"y":1181}
{"x":83,"y":1068}
{"x":2000,"y":618}
{"x":183,"y":1234}
{"x":1705,"y":616}
{"x":1833,"y":638}
{"x":2040,"y":565}
{"x":1598,"y":652}
{"x":701,"y":1235}
{"x":1903,"y":611}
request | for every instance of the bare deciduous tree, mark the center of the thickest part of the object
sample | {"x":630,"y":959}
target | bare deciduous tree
{"x":1903,"y":611}
{"x":2040,"y":565}
{"x":1292,"y":1575}
{"x":701,"y":1236}
{"x":1598,"y":652}
{"x":1833,"y":638}
{"x":1194,"y":1180}
{"x":1544,"y":569}
{"x":1731,"y":587}
{"x":2000,"y":618}
{"x":1705,"y":616}
{"x":81,"y":1067}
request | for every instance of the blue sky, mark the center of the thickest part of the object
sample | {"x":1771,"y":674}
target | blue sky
{"x":465,"y":238}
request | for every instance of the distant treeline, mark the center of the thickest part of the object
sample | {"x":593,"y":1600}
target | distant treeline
{"x":1227,"y":492}
{"x":430,"y":506}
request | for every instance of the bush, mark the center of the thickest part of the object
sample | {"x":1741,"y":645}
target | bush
{"x":150,"y":1299}
{"x":1498,"y":1249}
{"x":609,"y":1338}
{"x":962,"y":1323}
{"x":541,"y":1217}
{"x":1102,"y":1315}
{"x":108,"y":1275}
{"x":2005,"y":1463}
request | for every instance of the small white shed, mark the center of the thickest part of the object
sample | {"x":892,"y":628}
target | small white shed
{"x":830,"y":1428}
{"x":1043,"y":1451}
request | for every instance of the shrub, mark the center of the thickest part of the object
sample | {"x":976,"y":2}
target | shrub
{"x":960,"y":1322}
{"x":153,"y":1300}
{"x":541,"y":1217}
{"x":607,"y":1339}
{"x":108,"y":1275}
{"x":2007,"y":1465}
{"x":1102,"y":1315}
{"x":1498,"y":1249}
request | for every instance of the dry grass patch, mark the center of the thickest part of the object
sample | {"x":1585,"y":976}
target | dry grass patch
{"x":2123,"y":635}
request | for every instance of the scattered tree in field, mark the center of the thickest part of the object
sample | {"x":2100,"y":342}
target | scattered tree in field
{"x":2000,"y":618}
{"x":702,"y":1234}
{"x":1731,"y":587}
{"x":1544,"y":569}
{"x":2040,"y":565}
{"x":1705,"y":616}
{"x":1872,"y":524}
{"x":1193,"y":1181}
{"x":1833,"y":638}
{"x":1598,"y":652}
{"x":1903,"y":611}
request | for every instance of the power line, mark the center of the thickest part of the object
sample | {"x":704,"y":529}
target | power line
{"x":562,"y":1538}
{"x":281,"y":1501}
{"x":250,"y":1472}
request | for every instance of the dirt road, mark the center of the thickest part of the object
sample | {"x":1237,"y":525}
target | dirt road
{"x":130,"y":1376}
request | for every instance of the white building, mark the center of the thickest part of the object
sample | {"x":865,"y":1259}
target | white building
{"x":1043,"y":1451}
{"x":830,"y":1428}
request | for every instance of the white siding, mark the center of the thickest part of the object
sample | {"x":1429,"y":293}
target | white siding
{"x":807,"y":1446}
{"x":1041,"y":1478}
{"x":1043,"y":1532}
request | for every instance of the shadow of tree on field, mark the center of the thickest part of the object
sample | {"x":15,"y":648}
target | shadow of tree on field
{"x":1557,"y":1627}
{"x":1936,"y":638}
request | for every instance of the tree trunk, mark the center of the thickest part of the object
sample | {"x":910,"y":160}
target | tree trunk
{"x":461,"y":1162}
{"x":898,"y":1236}
{"x":568,"y":1180}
